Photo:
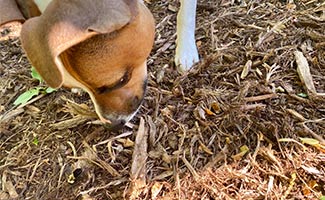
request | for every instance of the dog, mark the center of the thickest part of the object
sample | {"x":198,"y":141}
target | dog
{"x":99,"y":47}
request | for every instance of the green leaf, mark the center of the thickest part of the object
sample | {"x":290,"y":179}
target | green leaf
{"x":49,"y":90}
{"x":26,"y":96}
{"x":35,"y":141}
{"x":36,"y":75}
{"x":322,"y":198}
{"x":303,"y":95}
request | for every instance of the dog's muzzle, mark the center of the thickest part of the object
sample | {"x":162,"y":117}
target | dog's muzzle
{"x":116,"y":123}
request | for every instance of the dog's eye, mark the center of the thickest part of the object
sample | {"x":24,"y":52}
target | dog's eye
{"x":103,"y":89}
{"x":122,"y":80}
{"x":120,"y":83}
{"x":125,"y":79}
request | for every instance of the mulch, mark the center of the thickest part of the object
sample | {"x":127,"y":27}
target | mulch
{"x":247,"y":122}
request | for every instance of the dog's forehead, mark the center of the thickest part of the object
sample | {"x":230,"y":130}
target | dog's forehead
{"x":102,"y":64}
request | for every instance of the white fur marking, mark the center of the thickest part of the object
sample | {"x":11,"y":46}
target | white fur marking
{"x":186,"y":51}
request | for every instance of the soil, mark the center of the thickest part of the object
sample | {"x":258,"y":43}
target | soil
{"x":244,"y":123}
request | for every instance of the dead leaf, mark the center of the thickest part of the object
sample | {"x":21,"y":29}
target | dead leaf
{"x":10,"y":188}
{"x":155,"y":189}
{"x":164,"y":175}
{"x":246,"y":69}
{"x":216,"y":107}
{"x":126,"y":142}
{"x":166,"y":158}
{"x":312,"y":184}
{"x":313,"y":142}
{"x":4,"y":195}
{"x":209,"y":112}
{"x":304,"y":72}
{"x":172,"y":8}
{"x":204,"y":148}
{"x":200,"y":112}
{"x":243,"y":150}
{"x":87,"y":197}
{"x":311,"y":170}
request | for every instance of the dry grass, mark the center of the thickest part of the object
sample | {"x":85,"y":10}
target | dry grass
{"x":234,"y":127}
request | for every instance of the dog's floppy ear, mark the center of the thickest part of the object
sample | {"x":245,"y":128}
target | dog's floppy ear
{"x":9,"y":11}
{"x":64,"y":24}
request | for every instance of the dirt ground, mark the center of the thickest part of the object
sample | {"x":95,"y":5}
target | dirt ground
{"x":247,"y":122}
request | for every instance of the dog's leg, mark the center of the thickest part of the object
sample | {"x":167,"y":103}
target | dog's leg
{"x":186,"y":51}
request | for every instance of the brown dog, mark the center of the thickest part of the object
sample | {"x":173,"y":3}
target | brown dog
{"x":100,"y":46}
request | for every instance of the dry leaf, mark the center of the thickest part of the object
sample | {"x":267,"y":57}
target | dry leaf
{"x":311,"y":141}
{"x":209,"y":112}
{"x":304,"y":71}
{"x":166,"y":158}
{"x":278,"y":27}
{"x":216,"y":107}
{"x":291,"y":6}
{"x":87,"y":197}
{"x":10,"y":188}
{"x":243,"y":150}
{"x":311,"y":170}
{"x":126,"y":142}
{"x":4,"y":195}
{"x":311,"y":185}
{"x":258,"y":71}
{"x":246,"y":69}
{"x":155,"y":189}
{"x":172,"y":8}
{"x":164,"y":175}
{"x":306,"y":191}
{"x":204,"y":148}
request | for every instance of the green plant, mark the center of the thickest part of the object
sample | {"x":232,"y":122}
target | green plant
{"x":29,"y":94}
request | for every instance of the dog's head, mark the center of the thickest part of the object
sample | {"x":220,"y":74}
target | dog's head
{"x":100,"y":46}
